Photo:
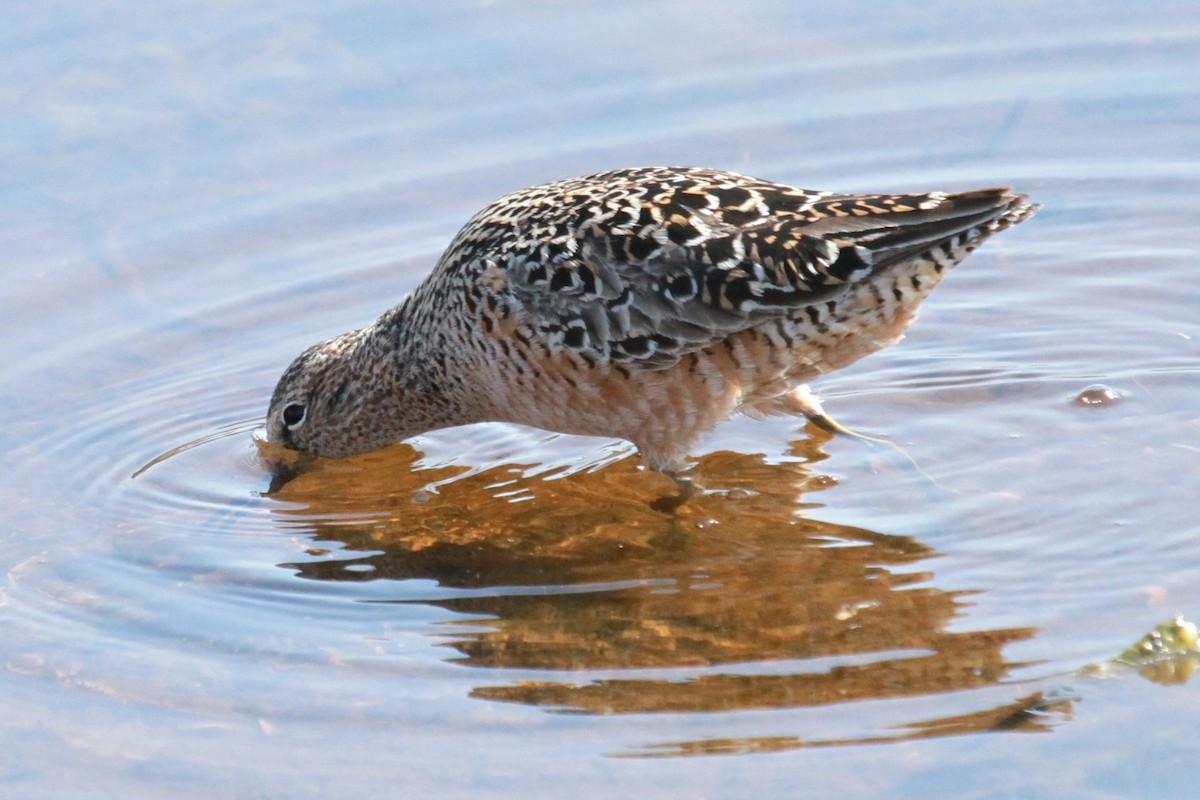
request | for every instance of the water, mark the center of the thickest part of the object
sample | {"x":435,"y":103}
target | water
{"x":194,"y":195}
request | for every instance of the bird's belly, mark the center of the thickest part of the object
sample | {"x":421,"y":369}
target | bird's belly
{"x":664,"y":410}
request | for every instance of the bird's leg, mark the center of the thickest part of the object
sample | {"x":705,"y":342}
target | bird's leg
{"x":801,"y":400}
{"x":685,"y":489}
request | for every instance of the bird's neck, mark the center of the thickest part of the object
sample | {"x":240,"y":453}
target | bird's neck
{"x":418,"y":361}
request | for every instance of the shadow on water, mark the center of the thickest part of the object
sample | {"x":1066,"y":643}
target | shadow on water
{"x":737,"y":601}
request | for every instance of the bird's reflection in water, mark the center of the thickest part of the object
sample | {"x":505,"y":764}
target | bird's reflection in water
{"x":735,"y":601}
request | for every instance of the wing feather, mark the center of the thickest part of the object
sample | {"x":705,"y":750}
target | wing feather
{"x":662,"y":263}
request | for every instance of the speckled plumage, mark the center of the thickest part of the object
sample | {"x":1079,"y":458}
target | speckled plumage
{"x":646,"y":304}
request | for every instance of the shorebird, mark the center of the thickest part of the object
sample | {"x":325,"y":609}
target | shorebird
{"x":646,"y":304}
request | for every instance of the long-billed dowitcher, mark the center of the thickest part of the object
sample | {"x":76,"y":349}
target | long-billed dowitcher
{"x":646,"y":304}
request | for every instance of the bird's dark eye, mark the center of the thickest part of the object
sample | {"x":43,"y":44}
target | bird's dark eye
{"x":293,"y":415}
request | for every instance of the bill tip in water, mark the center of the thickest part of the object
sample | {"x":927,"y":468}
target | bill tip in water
{"x":283,"y":465}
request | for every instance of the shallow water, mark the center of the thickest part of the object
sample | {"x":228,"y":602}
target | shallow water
{"x":194,"y":196}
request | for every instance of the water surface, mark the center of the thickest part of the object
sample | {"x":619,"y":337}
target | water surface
{"x":195,"y":196}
